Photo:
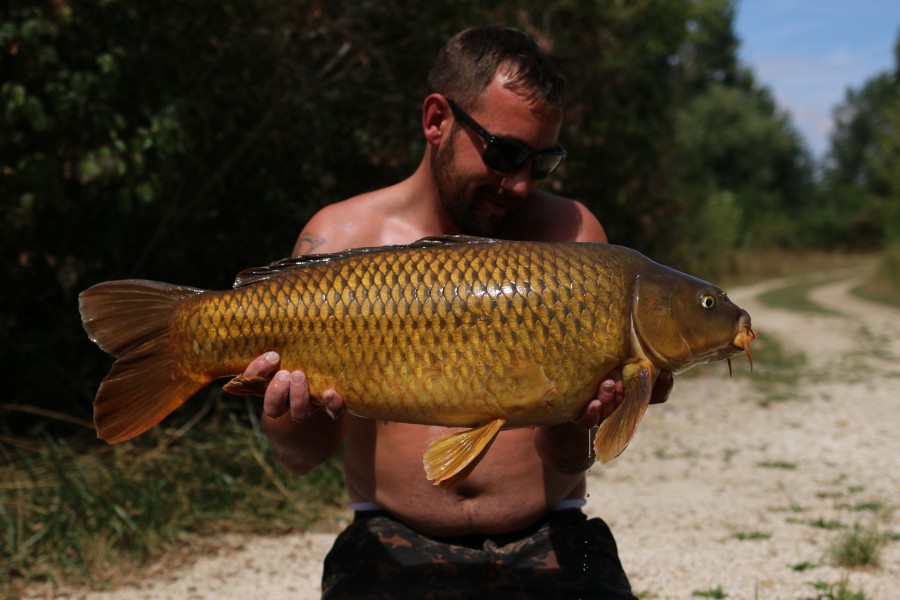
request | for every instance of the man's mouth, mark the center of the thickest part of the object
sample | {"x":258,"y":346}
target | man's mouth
{"x":499,"y":201}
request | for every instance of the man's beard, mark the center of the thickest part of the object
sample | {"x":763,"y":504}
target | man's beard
{"x":469,"y":209}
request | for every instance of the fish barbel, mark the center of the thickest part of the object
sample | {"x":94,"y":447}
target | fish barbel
{"x":452,"y":331}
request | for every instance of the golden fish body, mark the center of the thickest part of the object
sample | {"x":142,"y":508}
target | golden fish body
{"x":450,"y":331}
{"x":450,"y":336}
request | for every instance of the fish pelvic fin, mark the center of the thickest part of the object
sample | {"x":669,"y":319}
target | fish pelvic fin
{"x":248,"y":385}
{"x":130,"y":320}
{"x":616,"y":431}
{"x":450,"y":459}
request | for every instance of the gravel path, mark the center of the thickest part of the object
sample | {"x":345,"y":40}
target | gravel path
{"x":734,"y":485}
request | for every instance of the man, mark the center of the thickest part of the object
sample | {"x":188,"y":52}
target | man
{"x":491,"y":124}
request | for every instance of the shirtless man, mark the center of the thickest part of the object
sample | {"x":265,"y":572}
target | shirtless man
{"x":504,"y":525}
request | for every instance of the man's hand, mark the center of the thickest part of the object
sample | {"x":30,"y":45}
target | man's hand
{"x":611,"y":394}
{"x":308,"y":437}
{"x":288,"y":392}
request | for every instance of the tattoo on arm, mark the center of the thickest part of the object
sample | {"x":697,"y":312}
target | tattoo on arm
{"x":307,"y":243}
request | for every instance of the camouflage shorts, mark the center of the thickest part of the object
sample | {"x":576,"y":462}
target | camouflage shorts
{"x":564,"y":555}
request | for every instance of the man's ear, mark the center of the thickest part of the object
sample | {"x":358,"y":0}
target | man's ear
{"x":436,"y":120}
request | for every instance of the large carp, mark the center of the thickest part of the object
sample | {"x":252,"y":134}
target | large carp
{"x":453,"y":331}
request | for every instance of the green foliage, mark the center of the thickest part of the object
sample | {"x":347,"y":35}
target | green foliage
{"x":709,"y":55}
{"x":737,"y":150}
{"x":709,"y":235}
{"x":888,"y":170}
{"x":622,"y":74}
{"x":861,"y":189}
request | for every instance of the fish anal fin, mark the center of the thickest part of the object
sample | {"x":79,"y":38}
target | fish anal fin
{"x":249,"y":385}
{"x":450,"y":459}
{"x":616,"y":431}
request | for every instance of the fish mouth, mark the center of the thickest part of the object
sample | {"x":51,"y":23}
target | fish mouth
{"x":741,"y":342}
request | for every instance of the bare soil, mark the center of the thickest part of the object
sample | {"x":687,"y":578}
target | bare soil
{"x":735,"y":486}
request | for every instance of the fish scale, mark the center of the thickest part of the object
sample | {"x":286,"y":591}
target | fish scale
{"x":456,"y":332}
{"x":448,"y":313}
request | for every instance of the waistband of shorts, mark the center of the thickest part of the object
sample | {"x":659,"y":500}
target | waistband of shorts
{"x":363,"y":507}
{"x":552,"y":518}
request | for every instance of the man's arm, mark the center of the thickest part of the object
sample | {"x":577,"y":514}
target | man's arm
{"x":303,"y":436}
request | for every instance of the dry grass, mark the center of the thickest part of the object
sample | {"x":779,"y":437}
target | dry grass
{"x":81,"y":514}
{"x":765,"y":264}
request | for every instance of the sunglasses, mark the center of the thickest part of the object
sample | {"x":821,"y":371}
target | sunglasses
{"x":507,"y":155}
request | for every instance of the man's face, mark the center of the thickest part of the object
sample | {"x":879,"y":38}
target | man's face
{"x":475,"y":209}
{"x":477,"y":198}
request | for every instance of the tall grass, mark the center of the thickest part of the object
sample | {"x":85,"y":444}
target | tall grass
{"x":77,"y":514}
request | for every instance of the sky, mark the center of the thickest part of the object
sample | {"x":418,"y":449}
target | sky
{"x":808,"y":52}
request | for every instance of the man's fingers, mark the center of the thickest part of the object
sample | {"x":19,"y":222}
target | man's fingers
{"x":333,"y":404}
{"x":607,"y":408}
{"x":263,"y":365}
{"x":611,"y":394}
{"x":276,"y":399}
{"x":298,"y":388}
{"x":590,"y":417}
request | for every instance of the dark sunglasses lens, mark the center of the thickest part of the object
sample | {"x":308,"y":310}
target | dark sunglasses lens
{"x":545,"y":163}
{"x":505,"y":156}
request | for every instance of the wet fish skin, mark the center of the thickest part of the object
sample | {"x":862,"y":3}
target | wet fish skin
{"x":456,"y":332}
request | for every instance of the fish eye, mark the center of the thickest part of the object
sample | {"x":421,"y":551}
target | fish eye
{"x":707,"y":301}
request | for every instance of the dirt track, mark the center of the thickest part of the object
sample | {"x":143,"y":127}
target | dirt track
{"x":736,"y":485}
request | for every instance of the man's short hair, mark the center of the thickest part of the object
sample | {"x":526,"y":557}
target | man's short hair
{"x":468,"y":62}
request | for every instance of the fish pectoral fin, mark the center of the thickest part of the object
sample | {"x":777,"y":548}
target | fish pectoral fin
{"x":450,"y":459}
{"x":616,"y":432}
{"x":252,"y":385}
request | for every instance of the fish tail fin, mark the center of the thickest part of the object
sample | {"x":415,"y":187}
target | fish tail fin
{"x":615,"y":432}
{"x":130,"y":320}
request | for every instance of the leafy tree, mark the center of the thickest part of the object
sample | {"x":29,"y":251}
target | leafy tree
{"x":622,"y":77}
{"x":886,"y":169}
{"x":709,"y":55}
{"x":861,"y":166}
{"x":740,"y":172}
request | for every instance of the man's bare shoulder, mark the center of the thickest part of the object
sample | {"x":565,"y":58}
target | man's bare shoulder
{"x":547,"y":217}
{"x":354,"y":222}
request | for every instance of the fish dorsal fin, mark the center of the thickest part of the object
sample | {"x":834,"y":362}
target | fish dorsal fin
{"x":256,"y":274}
{"x":451,"y":240}
{"x":616,"y":431}
{"x":450,"y":459}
